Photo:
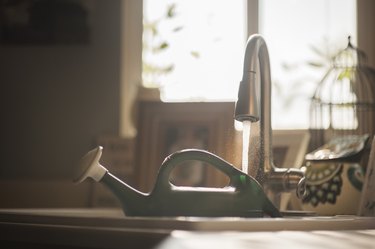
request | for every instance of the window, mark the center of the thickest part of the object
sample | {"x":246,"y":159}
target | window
{"x":296,"y":33}
{"x":193,"y":50}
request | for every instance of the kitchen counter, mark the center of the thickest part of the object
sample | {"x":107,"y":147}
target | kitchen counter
{"x":109,"y":228}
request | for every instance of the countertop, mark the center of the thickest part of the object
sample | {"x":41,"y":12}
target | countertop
{"x":109,"y":228}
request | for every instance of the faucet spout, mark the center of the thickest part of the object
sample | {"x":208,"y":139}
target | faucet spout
{"x":254,"y":104}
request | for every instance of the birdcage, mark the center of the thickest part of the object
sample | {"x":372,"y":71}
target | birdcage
{"x":344,"y":100}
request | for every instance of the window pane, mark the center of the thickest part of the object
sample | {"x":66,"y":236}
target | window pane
{"x":195,"y":54}
{"x":291,"y":28}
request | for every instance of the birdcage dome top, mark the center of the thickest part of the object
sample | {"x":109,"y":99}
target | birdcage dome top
{"x":350,"y":57}
{"x":348,"y":81}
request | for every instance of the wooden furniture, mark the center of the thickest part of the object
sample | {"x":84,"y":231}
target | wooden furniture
{"x":164,"y":128}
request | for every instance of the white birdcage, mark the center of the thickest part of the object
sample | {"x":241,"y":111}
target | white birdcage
{"x":344,"y":100}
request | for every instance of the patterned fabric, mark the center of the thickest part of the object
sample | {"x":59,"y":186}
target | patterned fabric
{"x":324,"y":183}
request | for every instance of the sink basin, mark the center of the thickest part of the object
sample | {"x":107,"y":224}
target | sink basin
{"x":109,"y":228}
{"x":114,"y":218}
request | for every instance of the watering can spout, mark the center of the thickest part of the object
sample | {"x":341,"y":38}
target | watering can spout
{"x":131,"y":199}
{"x":90,"y":167}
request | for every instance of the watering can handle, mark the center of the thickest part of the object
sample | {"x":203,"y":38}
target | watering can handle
{"x":179,"y":157}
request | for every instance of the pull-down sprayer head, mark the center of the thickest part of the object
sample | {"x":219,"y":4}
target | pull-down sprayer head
{"x":247,"y":104}
{"x":247,"y":107}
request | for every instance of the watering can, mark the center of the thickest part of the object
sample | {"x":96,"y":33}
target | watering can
{"x":242,"y":197}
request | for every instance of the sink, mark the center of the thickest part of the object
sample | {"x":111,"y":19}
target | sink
{"x":115,"y":219}
{"x":109,"y":228}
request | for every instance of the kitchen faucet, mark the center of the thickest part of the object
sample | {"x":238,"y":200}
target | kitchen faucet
{"x":254,"y":105}
{"x":245,"y":195}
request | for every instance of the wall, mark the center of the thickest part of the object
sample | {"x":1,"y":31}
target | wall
{"x":366,"y":24}
{"x":56,"y":99}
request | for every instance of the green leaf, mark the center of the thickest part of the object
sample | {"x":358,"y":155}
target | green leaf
{"x":162,"y":46}
{"x":178,"y":28}
{"x":195,"y":54}
{"x":168,"y":69}
{"x":149,"y":68}
{"x":154,"y":30}
{"x":171,"y":10}
{"x":151,"y":27}
{"x":345,"y":74}
{"x":315,"y":64}
{"x":287,"y":66}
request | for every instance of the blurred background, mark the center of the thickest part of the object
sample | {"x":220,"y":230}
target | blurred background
{"x":78,"y":73}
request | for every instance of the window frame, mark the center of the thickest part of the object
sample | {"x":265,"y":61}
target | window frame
{"x":131,"y":52}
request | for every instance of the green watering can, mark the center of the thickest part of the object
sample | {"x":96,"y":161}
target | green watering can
{"x":242,"y":197}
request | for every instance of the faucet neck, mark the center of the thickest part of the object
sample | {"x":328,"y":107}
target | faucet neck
{"x":254,"y":101}
{"x":254,"y":104}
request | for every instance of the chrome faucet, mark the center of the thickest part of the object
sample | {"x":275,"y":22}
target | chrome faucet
{"x":254,"y":104}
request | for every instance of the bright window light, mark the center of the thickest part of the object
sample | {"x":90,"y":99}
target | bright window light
{"x":296,"y":31}
{"x":202,"y":51}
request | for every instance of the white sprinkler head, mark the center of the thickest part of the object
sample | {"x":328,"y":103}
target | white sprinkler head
{"x":89,"y":166}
